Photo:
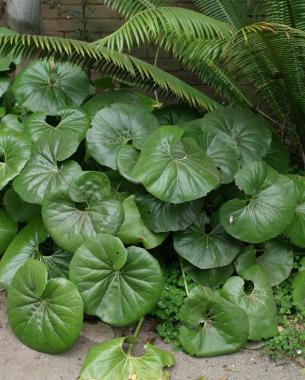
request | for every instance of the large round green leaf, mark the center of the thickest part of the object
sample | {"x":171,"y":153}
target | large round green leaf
{"x":176,"y":114}
{"x":17,"y":209}
{"x":109,"y":361}
{"x":277,"y":260}
{"x":205,"y":249}
{"x":118,"y":285}
{"x":266,"y":212}
{"x":15,"y":151}
{"x":174,"y":169}
{"x":296,"y":228}
{"x":32,"y":242}
{"x":211,"y":325}
{"x":253,"y":293}
{"x":48,"y":86}
{"x":134,"y":231}
{"x":298,"y":292}
{"x":116,"y":126}
{"x":107,"y":98}
{"x":8,"y":230}
{"x":45,"y":315}
{"x":247,"y":131}
{"x":163,"y":217}
{"x":278,"y":155}
{"x":43,"y":173}
{"x":69,"y":222}
{"x":127,"y":157}
{"x":5,"y":81}
{"x":67,"y":129}
{"x":11,"y":123}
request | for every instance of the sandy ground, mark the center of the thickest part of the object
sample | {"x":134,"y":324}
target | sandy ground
{"x":18,"y":362}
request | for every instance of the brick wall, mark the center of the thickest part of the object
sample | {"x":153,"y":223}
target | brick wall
{"x":63,"y":18}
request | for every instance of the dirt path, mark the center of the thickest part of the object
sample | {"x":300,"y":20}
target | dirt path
{"x":18,"y":362}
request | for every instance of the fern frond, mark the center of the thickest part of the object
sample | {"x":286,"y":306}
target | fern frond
{"x":128,"y":8}
{"x":151,"y":25}
{"x":112,"y":62}
{"x":289,"y":12}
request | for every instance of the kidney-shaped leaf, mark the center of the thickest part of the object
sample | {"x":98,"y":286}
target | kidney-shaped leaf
{"x":253,"y":293}
{"x":8,"y":230}
{"x":48,"y":86}
{"x":32,"y":243}
{"x":174,"y":169}
{"x":116,"y":126}
{"x":70,"y":222}
{"x":267,"y":211}
{"x":108,"y":361}
{"x":67,"y":129}
{"x":176,"y":114}
{"x":134,"y":231}
{"x":46,"y":316}
{"x":211,"y":325}
{"x":206,"y":249}
{"x":118,"y":285}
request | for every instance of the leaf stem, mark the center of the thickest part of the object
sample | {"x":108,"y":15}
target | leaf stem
{"x":184,"y":278}
{"x":135,"y":335}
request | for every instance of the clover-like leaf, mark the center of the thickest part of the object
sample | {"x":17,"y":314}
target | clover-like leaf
{"x":67,"y":129}
{"x":15,"y":151}
{"x":174,"y":169}
{"x":32,"y":242}
{"x":298,"y":289}
{"x":107,"y":98}
{"x":43,"y":173}
{"x":48,"y":86}
{"x":116,"y":126}
{"x":206,"y":249}
{"x":277,"y":260}
{"x":253,"y":293}
{"x":134,"y":231}
{"x":176,"y":114}
{"x":163,"y":217}
{"x":267,"y":211}
{"x":247,"y":131}
{"x":19,"y":210}
{"x":211,"y":325}
{"x":70,"y":222}
{"x":46,"y":316}
{"x":118,"y":285}
{"x":108,"y":361}
{"x":8,"y":230}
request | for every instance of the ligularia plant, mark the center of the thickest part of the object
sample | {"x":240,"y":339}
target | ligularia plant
{"x":96,"y":186}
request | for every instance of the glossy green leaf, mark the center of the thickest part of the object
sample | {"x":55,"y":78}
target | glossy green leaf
{"x":67,"y":129}
{"x":116,"y":126}
{"x":5,"y":81}
{"x":118,"y":285}
{"x":43,"y":173}
{"x":45,"y":315}
{"x":32,"y":242}
{"x":176,"y":114}
{"x":163,"y":217}
{"x":127,"y":158}
{"x":206,"y":249}
{"x":11,"y":123}
{"x":266,"y":212}
{"x":211,"y":325}
{"x":17,"y":209}
{"x":253,"y":293}
{"x":48,"y":86}
{"x":174,"y":169}
{"x":15,"y":151}
{"x":133,"y":229}
{"x":277,"y":260}
{"x":298,"y":289}
{"x":8,"y":230}
{"x":107,"y":98}
{"x":69,"y":222}
{"x":278,"y":156}
{"x":108,"y":361}
{"x":248,"y":132}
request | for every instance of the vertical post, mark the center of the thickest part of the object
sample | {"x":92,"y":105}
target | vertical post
{"x":24,"y":16}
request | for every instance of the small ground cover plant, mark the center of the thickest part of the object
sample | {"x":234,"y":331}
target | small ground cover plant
{"x":99,"y":190}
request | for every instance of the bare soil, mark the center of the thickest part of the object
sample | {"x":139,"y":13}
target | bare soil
{"x":17,"y":362}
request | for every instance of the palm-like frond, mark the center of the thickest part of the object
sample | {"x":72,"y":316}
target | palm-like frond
{"x":289,"y":12}
{"x":112,"y":62}
{"x":128,"y":8}
{"x":157,"y":24}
